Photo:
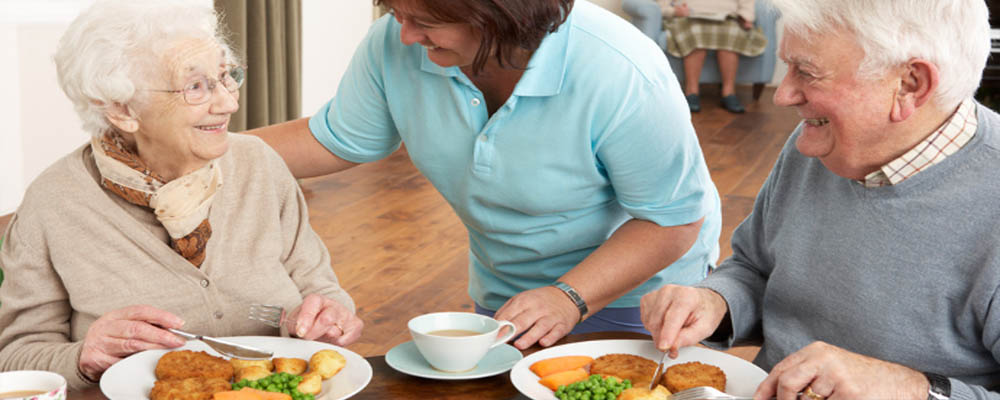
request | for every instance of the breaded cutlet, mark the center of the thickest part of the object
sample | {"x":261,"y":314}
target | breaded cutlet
{"x":182,"y":364}
{"x":693,"y":374}
{"x":637,"y":369}
{"x":188,"y":389}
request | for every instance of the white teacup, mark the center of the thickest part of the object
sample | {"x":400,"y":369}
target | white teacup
{"x":41,"y":385}
{"x":456,"y":341}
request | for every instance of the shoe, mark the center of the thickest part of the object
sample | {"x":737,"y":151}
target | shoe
{"x":732,"y":104}
{"x":694,"y":102}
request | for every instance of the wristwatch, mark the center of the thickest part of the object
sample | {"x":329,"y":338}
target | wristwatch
{"x":573,"y":296}
{"x":940,"y":388}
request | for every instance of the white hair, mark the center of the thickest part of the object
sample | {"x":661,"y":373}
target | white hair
{"x":112,"y":48}
{"x":952,"y":34}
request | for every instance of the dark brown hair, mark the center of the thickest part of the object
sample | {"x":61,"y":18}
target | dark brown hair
{"x":506,"y":25}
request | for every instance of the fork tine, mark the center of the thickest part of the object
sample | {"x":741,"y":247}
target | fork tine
{"x":695,"y":393}
{"x":269,"y":314}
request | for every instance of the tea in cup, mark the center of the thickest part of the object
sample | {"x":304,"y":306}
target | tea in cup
{"x":456,"y":341}
{"x":41,"y":385}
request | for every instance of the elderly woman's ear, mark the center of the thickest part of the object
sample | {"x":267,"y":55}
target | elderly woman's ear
{"x":122,"y":117}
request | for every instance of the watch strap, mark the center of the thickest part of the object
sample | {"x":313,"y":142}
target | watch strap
{"x":573,"y":296}
{"x":940,"y":387}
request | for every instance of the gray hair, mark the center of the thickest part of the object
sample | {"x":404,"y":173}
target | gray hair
{"x":952,"y":34}
{"x":115,"y":44}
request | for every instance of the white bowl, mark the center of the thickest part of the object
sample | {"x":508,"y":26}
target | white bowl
{"x":53,"y":384}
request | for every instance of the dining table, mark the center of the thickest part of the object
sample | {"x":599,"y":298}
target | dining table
{"x":387,"y":383}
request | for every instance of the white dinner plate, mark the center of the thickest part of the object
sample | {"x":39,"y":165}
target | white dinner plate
{"x":133,"y":377}
{"x":742,"y":377}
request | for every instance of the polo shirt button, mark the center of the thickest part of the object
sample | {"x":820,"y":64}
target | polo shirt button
{"x":482,"y":138}
{"x":204,"y":283}
{"x":475,"y":102}
{"x":218,"y":315}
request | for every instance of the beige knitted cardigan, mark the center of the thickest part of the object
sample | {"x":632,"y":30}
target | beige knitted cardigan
{"x":74,"y":252}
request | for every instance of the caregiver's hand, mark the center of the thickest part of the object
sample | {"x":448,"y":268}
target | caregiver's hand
{"x":123,"y":332}
{"x":543,"y":315}
{"x":326,"y":320}
{"x":835,"y":373}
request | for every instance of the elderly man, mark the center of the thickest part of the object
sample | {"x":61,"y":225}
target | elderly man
{"x":870,"y":265}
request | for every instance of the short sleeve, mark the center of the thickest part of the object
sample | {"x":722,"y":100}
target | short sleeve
{"x":653,"y":159}
{"x":356,"y":124}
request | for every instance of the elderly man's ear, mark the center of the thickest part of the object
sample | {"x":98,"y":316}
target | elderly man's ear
{"x":121,"y":116}
{"x":918,"y":80}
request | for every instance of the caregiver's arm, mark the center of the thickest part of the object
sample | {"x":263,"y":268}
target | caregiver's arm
{"x":303,"y":154}
{"x":634,"y":253}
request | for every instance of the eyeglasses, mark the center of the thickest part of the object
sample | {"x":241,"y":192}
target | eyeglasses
{"x":200,"y":91}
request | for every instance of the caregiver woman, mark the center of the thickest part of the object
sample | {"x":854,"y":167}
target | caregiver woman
{"x":558,"y":135}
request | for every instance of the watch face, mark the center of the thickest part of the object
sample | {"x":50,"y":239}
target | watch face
{"x":940,"y":387}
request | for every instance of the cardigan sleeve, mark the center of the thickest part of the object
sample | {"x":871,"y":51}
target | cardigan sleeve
{"x":304,"y":254}
{"x":34,"y":307}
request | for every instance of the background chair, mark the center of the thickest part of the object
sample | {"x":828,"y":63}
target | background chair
{"x":754,"y":70}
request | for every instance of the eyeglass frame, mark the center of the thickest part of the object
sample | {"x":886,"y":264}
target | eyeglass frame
{"x":211,"y":84}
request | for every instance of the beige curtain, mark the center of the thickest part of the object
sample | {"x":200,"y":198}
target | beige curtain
{"x":268,"y":35}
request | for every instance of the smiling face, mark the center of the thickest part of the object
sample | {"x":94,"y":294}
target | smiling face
{"x":846,"y":119}
{"x":448,"y":43}
{"x":173,"y":137}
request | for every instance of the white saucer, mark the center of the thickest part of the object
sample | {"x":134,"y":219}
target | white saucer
{"x":406,"y":358}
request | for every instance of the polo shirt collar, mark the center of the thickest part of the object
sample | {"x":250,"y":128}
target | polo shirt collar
{"x":546,"y":68}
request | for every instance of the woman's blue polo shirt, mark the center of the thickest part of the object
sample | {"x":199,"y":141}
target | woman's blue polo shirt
{"x":596,"y":132}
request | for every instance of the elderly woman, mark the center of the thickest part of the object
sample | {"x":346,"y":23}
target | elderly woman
{"x":163,"y":220}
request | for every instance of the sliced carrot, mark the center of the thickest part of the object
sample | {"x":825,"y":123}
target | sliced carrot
{"x":236,"y":395}
{"x":267,"y":395}
{"x":554,"y":381}
{"x":250,"y":394}
{"x":550,"y":366}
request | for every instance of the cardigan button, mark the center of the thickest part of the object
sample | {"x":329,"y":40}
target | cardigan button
{"x":218,"y":315}
{"x":204,"y":283}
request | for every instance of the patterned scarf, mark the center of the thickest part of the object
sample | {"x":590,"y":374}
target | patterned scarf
{"x":181,"y":205}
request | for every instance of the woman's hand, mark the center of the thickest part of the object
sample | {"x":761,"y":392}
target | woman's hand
{"x":543,"y":315}
{"x":835,"y":373}
{"x":326,"y":320}
{"x":123,"y":332}
{"x":746,"y":24}
{"x":679,"y":316}
{"x":682,"y":10}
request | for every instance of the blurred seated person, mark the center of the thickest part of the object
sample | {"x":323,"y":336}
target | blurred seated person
{"x":696,"y":26}
{"x":164,"y":219}
{"x":869,"y":265}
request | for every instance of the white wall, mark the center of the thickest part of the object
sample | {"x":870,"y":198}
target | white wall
{"x":39,"y":124}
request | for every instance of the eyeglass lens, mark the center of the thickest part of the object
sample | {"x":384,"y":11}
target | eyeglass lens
{"x":200,"y":91}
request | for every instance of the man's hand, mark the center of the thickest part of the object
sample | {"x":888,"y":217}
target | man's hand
{"x":679,"y":316}
{"x":123,"y":332}
{"x":543,"y":315}
{"x":835,"y":373}
{"x":326,"y":320}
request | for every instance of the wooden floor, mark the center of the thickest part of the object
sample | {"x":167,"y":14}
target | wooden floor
{"x":400,"y":251}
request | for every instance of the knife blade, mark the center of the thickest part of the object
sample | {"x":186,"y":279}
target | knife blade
{"x":660,"y":370}
{"x":227,"y":348}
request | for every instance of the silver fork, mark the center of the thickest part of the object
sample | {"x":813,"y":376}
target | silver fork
{"x":711,"y":393}
{"x":271,"y":315}
{"x":705,"y":393}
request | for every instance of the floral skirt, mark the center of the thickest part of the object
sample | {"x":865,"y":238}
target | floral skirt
{"x":689,"y":34}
